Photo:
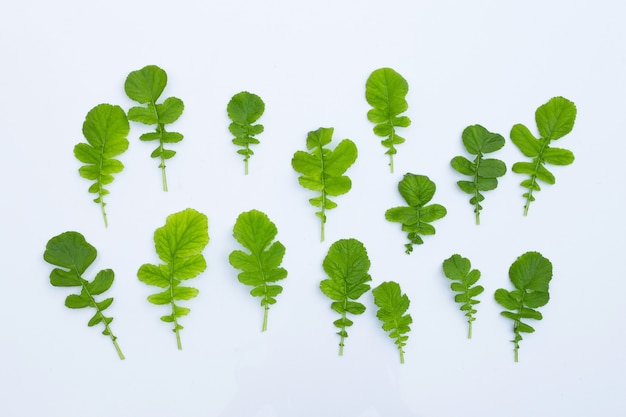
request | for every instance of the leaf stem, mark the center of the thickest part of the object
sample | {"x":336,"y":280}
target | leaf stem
{"x":469,"y":329}
{"x":401,"y":356}
{"x":391,"y":162}
{"x":266,"y":310}
{"x":107,"y":329}
{"x":104,"y":213}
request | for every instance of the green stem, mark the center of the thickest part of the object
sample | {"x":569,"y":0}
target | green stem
{"x":477,"y":162}
{"x":245,"y":161}
{"x":264,"y":327}
{"x":391,"y":162}
{"x":341,"y":345}
{"x":469,"y":329}
{"x":103,"y":318}
{"x":401,"y":356}
{"x":104,"y":213}
{"x":533,"y":178}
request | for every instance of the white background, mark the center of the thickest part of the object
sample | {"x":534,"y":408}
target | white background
{"x":466,"y":62}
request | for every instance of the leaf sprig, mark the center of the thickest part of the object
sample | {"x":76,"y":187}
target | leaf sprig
{"x":530,"y":274}
{"x":554,"y":119}
{"x":261,"y":266}
{"x":145,"y":86}
{"x":73,"y":255}
{"x":417,"y":191}
{"x":392,"y":306}
{"x":105,"y":129}
{"x":179,"y":244}
{"x":484,"y":172}
{"x":347,"y":266}
{"x":385,"y":91}
{"x":458,"y":269}
{"x":323,"y":169}
{"x":244,"y":109}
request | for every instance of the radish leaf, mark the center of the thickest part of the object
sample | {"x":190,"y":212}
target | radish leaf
{"x":458,"y":269}
{"x":347,"y":265}
{"x":385,"y":91}
{"x":73,"y":255}
{"x":554,"y":119}
{"x":261,"y":266}
{"x":244,"y":109}
{"x":145,"y":87}
{"x":417,"y":190}
{"x":530,"y":274}
{"x":179,"y":244}
{"x":483,"y":172}
{"x":392,"y":306}
{"x":105,"y":129}
{"x":322,"y":169}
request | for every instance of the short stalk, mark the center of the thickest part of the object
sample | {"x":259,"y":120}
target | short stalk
{"x":245,"y":161}
{"x":469,"y":329}
{"x":104,"y":213}
{"x":401,"y":356}
{"x":119,"y":351}
{"x":264,"y":327}
{"x":341,"y":346}
{"x":391,"y":163}
{"x":164,"y":178}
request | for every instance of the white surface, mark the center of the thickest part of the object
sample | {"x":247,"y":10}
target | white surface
{"x":487,"y":62}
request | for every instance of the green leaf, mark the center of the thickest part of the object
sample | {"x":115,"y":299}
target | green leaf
{"x":171,"y":109}
{"x":71,"y":251}
{"x":483,"y":172}
{"x":463,"y":165}
{"x":244,"y":109}
{"x":179,"y":244}
{"x":105,"y":129}
{"x":417,"y":190}
{"x":525,"y":141}
{"x":392,"y":306}
{"x":554,"y":120}
{"x":531,"y":271}
{"x":323,"y":169}
{"x":145,"y":86}
{"x":385,"y":91}
{"x":347,"y":266}
{"x":530,"y":274}
{"x":261,"y":266}
{"x":458,"y":269}
{"x":478,"y":140}
{"x":102,"y":282}
{"x":557,"y":156}
{"x":72,"y":254}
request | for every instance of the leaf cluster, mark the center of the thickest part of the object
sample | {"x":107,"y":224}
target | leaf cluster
{"x":323,"y":169}
{"x":417,"y":191}
{"x":385,"y":91}
{"x":244,"y":109}
{"x":72,"y":254}
{"x":392,"y":306}
{"x":179,"y":244}
{"x":483,"y":172}
{"x":530,"y":274}
{"x":105,"y":128}
{"x":261,"y":265}
{"x":347,"y":266}
{"x":458,"y":269}
{"x":554,"y":119}
{"x":145,"y":86}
